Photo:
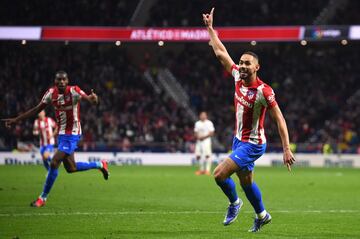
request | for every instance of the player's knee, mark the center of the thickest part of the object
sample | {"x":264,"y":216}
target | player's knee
{"x":46,"y":155}
{"x":219,"y":175}
{"x":70,"y":169}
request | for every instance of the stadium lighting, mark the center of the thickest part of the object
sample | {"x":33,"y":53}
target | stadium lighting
{"x":253,"y":43}
{"x":118,"y":43}
{"x":303,"y":42}
{"x":23,"y":42}
{"x":344,"y":42}
{"x":161,"y":43}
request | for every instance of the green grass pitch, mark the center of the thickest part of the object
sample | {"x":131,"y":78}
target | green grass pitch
{"x":171,"y":202}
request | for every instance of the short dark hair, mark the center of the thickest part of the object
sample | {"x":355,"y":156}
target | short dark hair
{"x":61,"y":73}
{"x":251,"y":53}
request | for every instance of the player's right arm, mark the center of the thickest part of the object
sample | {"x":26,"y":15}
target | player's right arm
{"x":33,"y":111}
{"x":218,"y":47}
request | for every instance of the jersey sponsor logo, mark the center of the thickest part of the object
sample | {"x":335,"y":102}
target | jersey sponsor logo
{"x":250,"y":94}
{"x":243,"y":101}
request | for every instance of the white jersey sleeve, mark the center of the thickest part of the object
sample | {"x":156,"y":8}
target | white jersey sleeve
{"x":235,"y":72}
{"x":197,"y":127}
{"x":77,"y":93}
{"x":46,"y":99}
{"x":211,"y":126}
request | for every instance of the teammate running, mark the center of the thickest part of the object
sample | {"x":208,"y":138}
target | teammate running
{"x":252,"y":98}
{"x":66,"y":101}
{"x":46,"y":129}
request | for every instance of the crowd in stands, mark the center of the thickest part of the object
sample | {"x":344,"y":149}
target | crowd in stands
{"x":67,"y":13}
{"x":169,"y":13}
{"x":347,"y":14}
{"x":237,"y":13}
{"x":315,"y":88}
{"x":316,"y":85}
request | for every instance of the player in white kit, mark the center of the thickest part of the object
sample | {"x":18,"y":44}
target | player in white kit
{"x":204,"y":130}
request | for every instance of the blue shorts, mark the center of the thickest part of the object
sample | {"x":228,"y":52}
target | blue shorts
{"x":47,"y":148}
{"x":245,"y":154}
{"x":68,"y":143}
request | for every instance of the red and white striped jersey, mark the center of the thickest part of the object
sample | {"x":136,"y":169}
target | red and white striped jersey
{"x":67,"y":108}
{"x":45,"y":129}
{"x":250,"y":106}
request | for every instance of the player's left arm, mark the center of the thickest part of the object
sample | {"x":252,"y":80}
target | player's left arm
{"x":92,"y":97}
{"x":278,"y":117}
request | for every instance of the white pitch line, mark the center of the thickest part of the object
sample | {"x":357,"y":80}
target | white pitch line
{"x":161,"y":213}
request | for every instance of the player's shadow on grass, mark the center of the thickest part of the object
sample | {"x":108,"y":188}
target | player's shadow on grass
{"x":167,"y":234}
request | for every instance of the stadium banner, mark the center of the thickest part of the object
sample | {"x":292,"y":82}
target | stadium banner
{"x":185,"y":159}
{"x":20,"y":33}
{"x":318,"y":33}
{"x":354,"y":33}
{"x":179,"y":34}
{"x":234,"y":34}
{"x":128,"y":34}
{"x":170,"y":34}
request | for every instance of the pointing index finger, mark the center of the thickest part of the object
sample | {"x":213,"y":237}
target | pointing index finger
{"x":288,"y":167}
{"x":212,"y":11}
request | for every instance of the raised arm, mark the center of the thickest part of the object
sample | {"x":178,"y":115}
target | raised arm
{"x":92,"y":98}
{"x":218,"y":47}
{"x":288,"y":157}
{"x":27,"y":114}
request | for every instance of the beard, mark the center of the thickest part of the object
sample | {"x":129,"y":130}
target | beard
{"x":245,"y":74}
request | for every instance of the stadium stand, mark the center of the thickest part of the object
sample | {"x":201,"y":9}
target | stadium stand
{"x":67,"y":13}
{"x":239,"y":13}
{"x":317,"y":100}
{"x":165,"y":13}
